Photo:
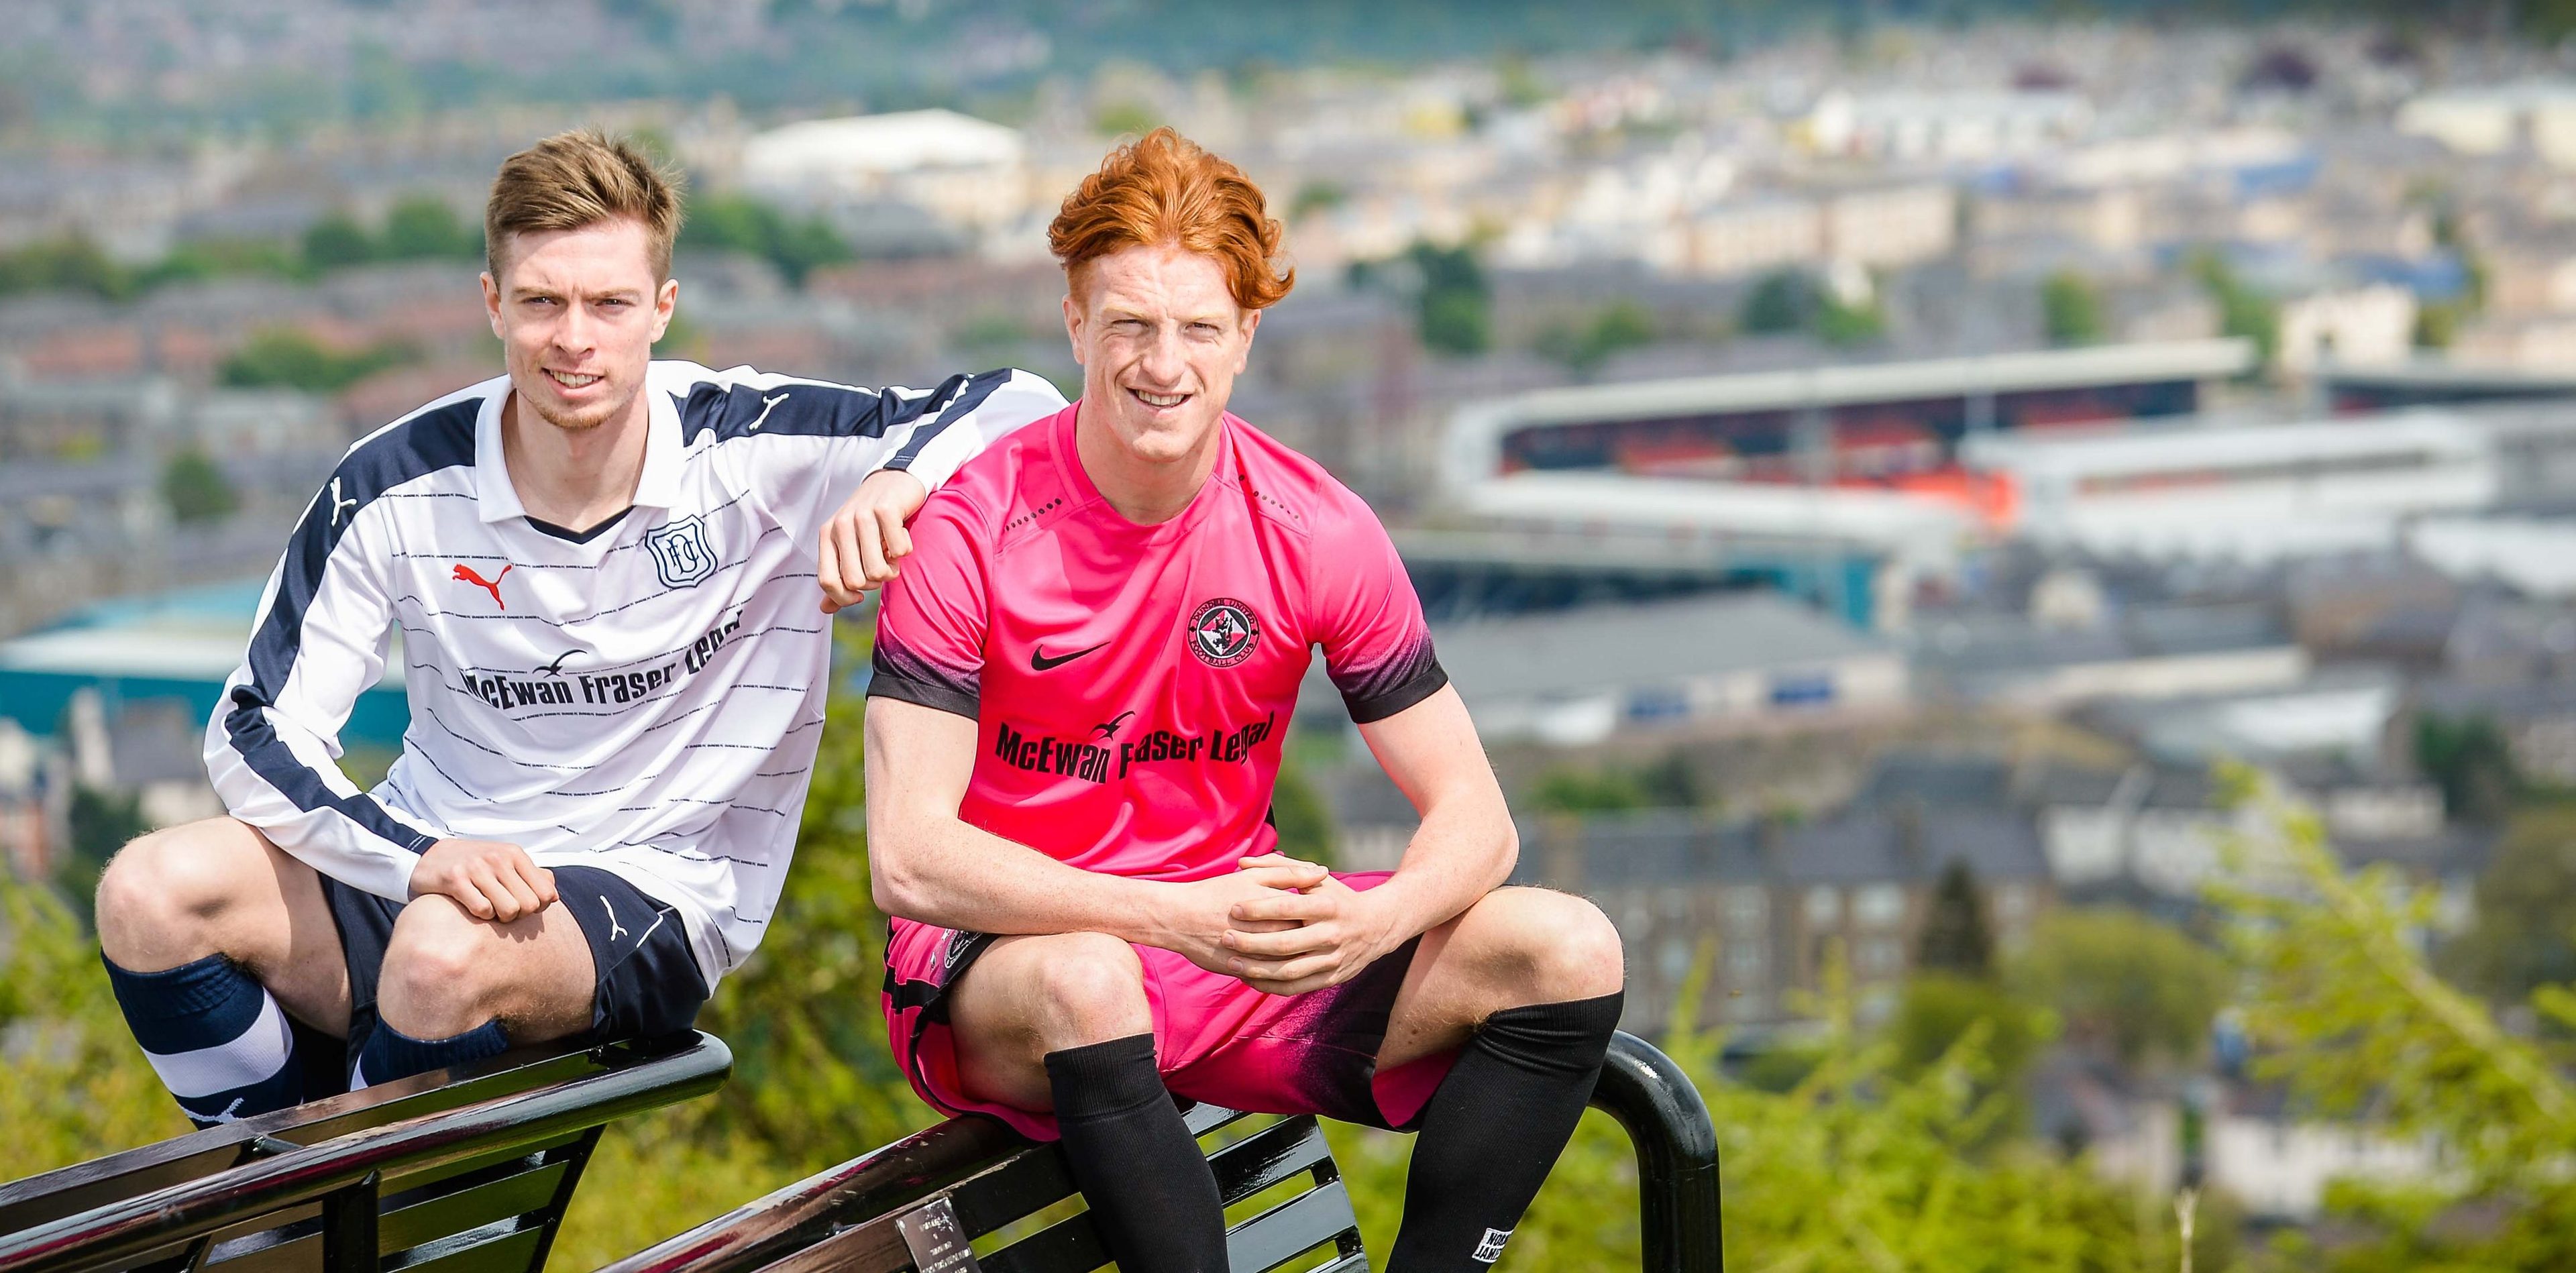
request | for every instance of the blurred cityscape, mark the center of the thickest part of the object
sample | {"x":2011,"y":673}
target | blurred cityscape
{"x":1864,"y":476}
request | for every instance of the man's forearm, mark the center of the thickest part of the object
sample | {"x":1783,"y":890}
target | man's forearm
{"x":946,"y":872}
{"x":1461,"y":852}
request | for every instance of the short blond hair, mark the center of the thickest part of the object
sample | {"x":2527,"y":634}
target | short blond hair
{"x":577,"y":179}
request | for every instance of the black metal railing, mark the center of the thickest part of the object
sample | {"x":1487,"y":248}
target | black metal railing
{"x":470,"y":1175}
{"x":971,"y":1178}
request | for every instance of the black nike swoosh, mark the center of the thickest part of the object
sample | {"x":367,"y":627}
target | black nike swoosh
{"x":1038,"y":661}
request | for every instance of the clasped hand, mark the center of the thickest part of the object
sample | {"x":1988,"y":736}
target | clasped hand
{"x":490,"y":879}
{"x":1287,"y":927}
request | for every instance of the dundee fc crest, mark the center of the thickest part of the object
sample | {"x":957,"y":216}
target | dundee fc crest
{"x":681,"y":555}
{"x":1223,"y":632}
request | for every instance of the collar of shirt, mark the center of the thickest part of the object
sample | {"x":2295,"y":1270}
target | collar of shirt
{"x":658,"y":487}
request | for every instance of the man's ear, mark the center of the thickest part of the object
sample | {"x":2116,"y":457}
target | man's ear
{"x":1073,"y":322}
{"x":666,"y":300}
{"x":1251,"y":327}
{"x":492,"y":304}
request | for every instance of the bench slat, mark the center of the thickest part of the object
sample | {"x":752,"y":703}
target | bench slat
{"x":1289,"y":1147}
{"x":1300,"y":1224}
{"x":496,"y":1248}
{"x":1068,"y":1246}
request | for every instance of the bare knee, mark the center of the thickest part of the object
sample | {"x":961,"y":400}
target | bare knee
{"x":1547,"y":947}
{"x":177,"y":894}
{"x":1090,"y":988}
{"x":440,"y":974}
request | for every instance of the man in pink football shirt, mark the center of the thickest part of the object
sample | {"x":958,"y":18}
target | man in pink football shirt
{"x":1084,"y":674}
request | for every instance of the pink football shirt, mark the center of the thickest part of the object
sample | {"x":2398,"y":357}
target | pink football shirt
{"x":1131,"y":685}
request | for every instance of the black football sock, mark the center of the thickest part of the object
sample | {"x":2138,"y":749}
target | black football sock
{"x":389,"y":1054}
{"x":1150,"y":1190}
{"x":1494,"y":1128}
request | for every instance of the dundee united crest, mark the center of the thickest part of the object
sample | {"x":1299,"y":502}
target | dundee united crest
{"x":680,"y":552}
{"x":1223,"y":632}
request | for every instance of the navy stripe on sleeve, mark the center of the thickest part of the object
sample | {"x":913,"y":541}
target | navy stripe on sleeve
{"x":426,"y":443}
{"x":977,"y":389}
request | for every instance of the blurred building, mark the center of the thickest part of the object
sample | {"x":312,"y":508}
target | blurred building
{"x":1734,"y":662}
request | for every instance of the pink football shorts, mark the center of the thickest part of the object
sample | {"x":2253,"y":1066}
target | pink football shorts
{"x":1216,"y":1039}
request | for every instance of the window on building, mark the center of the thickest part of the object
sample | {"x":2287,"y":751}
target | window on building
{"x":1674,"y":960}
{"x":1744,"y":964}
{"x":1879,"y":957}
{"x":1747,"y":905}
{"x":1824,"y":907}
{"x":1879,"y":905}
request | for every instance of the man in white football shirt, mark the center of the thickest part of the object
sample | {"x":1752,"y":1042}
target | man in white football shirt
{"x":603,"y":570}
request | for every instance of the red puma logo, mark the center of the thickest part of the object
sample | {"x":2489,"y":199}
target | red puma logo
{"x":465,"y":574}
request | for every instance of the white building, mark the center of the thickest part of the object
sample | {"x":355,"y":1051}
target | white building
{"x":2362,"y":326}
{"x":1893,"y":225}
{"x":963,"y":170}
{"x":1748,"y":661}
{"x":2492,"y":121}
{"x":1945,"y":126}
{"x":2250,"y":493}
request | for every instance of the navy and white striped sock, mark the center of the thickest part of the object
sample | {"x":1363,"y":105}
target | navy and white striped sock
{"x":215,"y":1035}
{"x":389,"y":1054}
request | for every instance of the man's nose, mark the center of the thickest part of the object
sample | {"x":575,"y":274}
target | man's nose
{"x":1164,"y":361}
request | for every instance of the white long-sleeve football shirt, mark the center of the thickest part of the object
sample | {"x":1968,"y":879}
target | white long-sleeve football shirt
{"x":644,"y":697}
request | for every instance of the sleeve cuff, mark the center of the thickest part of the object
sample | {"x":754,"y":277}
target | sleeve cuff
{"x":1423,"y":683}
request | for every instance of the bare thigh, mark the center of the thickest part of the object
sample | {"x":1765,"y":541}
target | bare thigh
{"x":1515,"y":946}
{"x":1027,"y":996}
{"x":218,"y":887}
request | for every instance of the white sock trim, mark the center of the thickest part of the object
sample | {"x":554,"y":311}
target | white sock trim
{"x":258,"y":1053}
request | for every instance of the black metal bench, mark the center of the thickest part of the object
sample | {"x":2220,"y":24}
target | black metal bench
{"x":462,"y":1171}
{"x":920,"y":1202}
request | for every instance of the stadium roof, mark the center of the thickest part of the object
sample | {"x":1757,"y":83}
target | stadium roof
{"x":1475,"y":434}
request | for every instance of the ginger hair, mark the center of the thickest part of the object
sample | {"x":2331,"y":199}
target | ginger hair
{"x":1164,"y":189}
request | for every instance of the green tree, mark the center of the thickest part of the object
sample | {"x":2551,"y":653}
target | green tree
{"x":2469,"y":759}
{"x":73,"y":264}
{"x":1125,"y":118}
{"x":1455,"y":304}
{"x":2352,"y":1019}
{"x":336,"y":241}
{"x":1616,"y":327}
{"x":1955,"y":938}
{"x":1778,"y":304}
{"x":77,"y":1086}
{"x":2118,"y":980}
{"x":424,"y":227}
{"x":1305,"y":825}
{"x":196,"y":489}
{"x":1861,"y":1164}
{"x":1570,"y":790}
{"x":1845,"y":325}
{"x":2525,"y":934}
{"x":738,"y":223}
{"x":2242,"y":311}
{"x":215,"y":258}
{"x":2071,"y":306}
{"x":284,"y":357}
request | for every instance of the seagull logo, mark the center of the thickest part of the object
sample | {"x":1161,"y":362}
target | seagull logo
{"x":465,"y":574}
{"x":767,"y":405}
{"x":556,"y":668}
{"x":339,"y":505}
{"x":1110,"y":728}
